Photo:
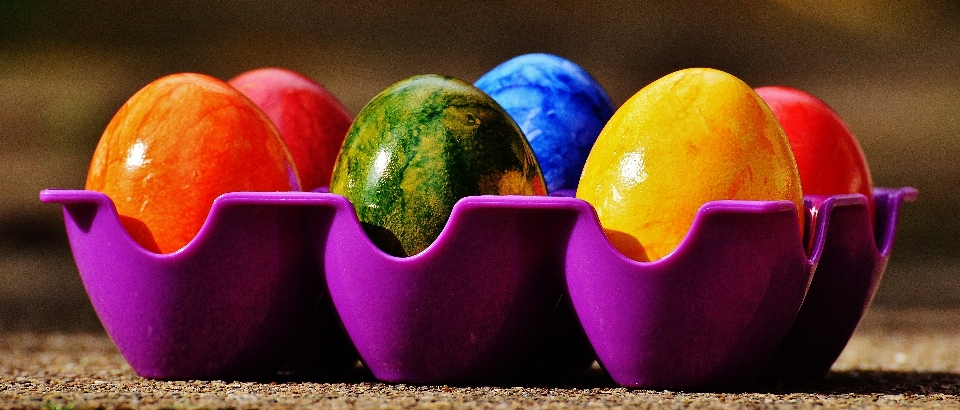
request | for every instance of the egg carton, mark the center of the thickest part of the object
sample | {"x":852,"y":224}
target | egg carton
{"x":513,"y":284}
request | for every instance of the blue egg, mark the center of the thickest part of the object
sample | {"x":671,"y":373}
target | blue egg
{"x":559,"y":107}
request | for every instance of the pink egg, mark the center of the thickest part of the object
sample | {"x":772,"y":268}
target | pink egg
{"x":311,"y":120}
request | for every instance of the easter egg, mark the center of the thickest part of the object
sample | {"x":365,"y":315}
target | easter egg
{"x":418,"y":147}
{"x":559,"y":107}
{"x":828,"y":155}
{"x":176,"y":145}
{"x":693,"y":136}
{"x":310,"y":119}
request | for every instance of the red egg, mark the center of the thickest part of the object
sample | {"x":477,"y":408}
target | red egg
{"x":828,"y":155}
{"x":310,"y":119}
{"x":175,"y":146}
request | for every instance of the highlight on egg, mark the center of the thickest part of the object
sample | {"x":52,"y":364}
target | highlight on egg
{"x":559,"y":107}
{"x":421,"y":145}
{"x":693,"y":136}
{"x":175,"y":146}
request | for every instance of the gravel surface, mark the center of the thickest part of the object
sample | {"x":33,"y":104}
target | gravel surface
{"x":897,"y":358}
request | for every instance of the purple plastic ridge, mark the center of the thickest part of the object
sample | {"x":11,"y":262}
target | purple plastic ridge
{"x":472,"y":306}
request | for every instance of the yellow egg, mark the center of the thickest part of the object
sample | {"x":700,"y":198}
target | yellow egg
{"x":693,"y":136}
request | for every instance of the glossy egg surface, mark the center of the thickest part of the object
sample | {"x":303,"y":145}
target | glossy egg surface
{"x":418,"y":147}
{"x":176,"y":145}
{"x":693,"y":136}
{"x":559,"y":107}
{"x":311,"y":120}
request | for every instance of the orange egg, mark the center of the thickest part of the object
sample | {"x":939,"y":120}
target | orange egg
{"x":178,"y":144}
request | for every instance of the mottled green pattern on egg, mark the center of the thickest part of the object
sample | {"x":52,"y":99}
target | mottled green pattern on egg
{"x":417,"y":148}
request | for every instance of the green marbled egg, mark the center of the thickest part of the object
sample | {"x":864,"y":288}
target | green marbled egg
{"x":417,"y":148}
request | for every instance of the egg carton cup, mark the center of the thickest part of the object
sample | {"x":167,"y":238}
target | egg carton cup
{"x":225,"y":306}
{"x":483,"y":301}
{"x":851,"y":265}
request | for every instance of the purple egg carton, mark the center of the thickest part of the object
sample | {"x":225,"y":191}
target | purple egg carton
{"x":484,"y":300}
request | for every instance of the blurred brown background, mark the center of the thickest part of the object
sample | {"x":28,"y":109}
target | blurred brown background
{"x":891,"y":68}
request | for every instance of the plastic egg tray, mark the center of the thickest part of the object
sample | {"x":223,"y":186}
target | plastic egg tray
{"x":507,"y":288}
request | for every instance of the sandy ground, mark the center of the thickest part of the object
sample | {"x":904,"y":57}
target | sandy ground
{"x":897,"y":358}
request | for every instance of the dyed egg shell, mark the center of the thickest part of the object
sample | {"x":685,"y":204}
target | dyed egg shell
{"x":828,"y":155}
{"x":417,"y":148}
{"x":559,"y":107}
{"x":175,"y":146}
{"x":693,"y":136}
{"x":311,"y":120}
